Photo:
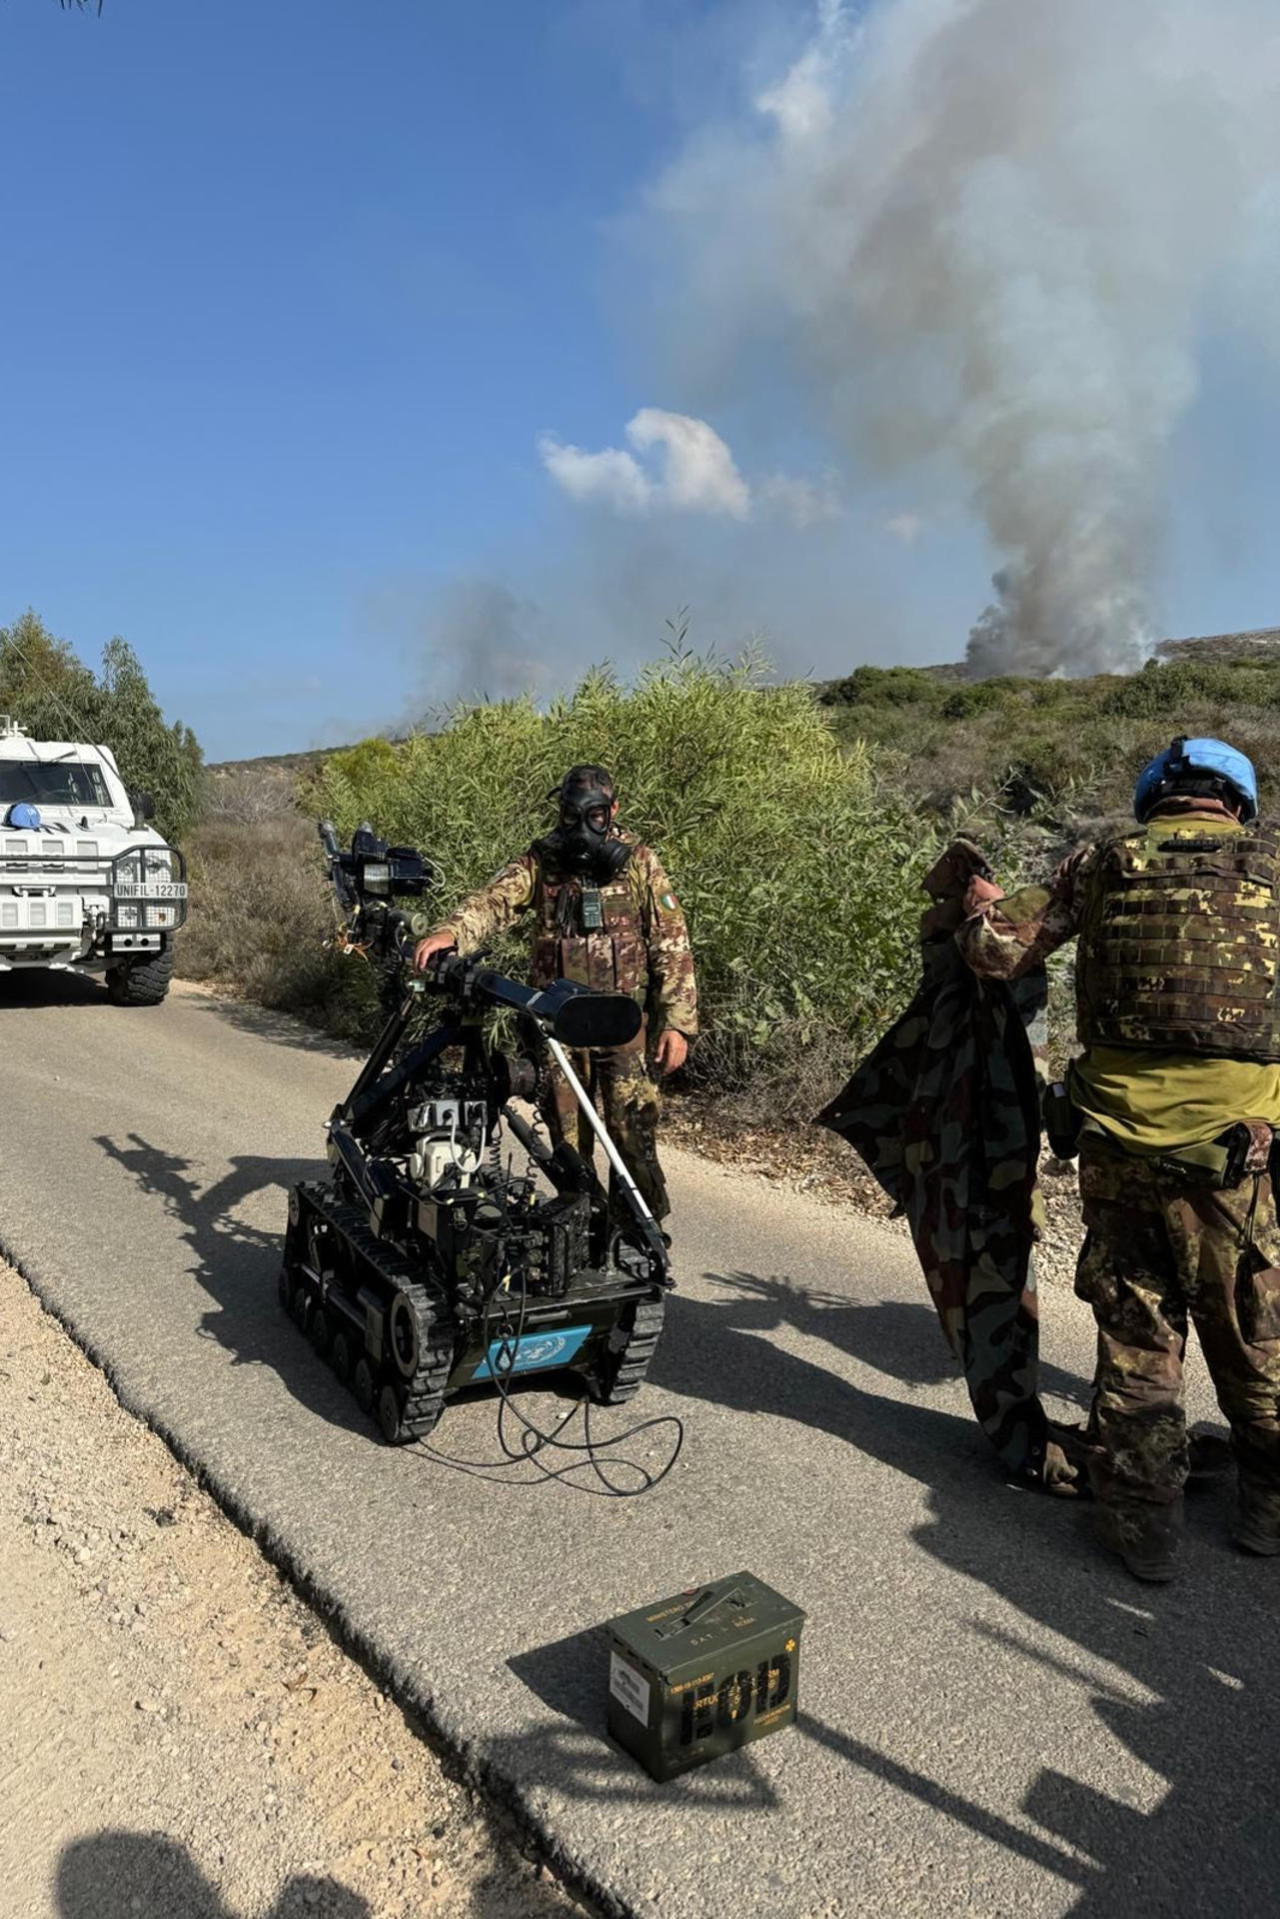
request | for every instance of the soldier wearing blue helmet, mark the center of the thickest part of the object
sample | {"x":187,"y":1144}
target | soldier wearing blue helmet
{"x":1177,"y":1096}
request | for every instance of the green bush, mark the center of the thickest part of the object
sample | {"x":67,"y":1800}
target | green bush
{"x":796,"y":863}
{"x":979,"y":696}
{"x":883,"y":686}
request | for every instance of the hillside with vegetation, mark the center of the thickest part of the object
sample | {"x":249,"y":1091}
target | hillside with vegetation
{"x":1065,"y":750}
{"x":796,"y":822}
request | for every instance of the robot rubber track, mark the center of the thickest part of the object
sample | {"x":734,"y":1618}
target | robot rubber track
{"x":331,"y":1259}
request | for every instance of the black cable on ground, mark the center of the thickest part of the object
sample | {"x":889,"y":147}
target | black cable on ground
{"x":533,"y":1440}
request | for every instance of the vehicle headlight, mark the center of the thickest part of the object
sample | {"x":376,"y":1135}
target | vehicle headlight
{"x":158,"y":914}
{"x":158,"y":864}
{"x":126,"y":913}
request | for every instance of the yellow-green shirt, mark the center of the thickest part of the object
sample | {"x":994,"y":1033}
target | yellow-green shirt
{"x":1154,"y":1101}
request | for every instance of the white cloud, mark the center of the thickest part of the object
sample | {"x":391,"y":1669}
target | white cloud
{"x":905,"y":527}
{"x":612,"y":476}
{"x":690,"y":470}
{"x":698,"y":472}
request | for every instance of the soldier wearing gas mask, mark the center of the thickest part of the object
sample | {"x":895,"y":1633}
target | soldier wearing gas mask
{"x":604,"y":914}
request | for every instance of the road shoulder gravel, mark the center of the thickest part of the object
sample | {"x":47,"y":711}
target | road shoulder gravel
{"x":182,"y":1734}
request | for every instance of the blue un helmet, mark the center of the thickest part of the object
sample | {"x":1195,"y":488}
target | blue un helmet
{"x":1196,"y":760}
{"x":21,"y":814}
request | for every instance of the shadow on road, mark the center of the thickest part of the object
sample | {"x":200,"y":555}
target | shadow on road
{"x":134,"y":1875}
{"x":895,"y":1337}
{"x":1206,"y":1651}
{"x":237,"y":1263}
{"x":706,"y":1353}
{"x":29,"y":989}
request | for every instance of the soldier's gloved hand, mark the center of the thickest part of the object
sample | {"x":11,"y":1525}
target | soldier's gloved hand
{"x":426,"y":949}
{"x":948,"y":877}
{"x":980,"y":892}
{"x":671,"y":1052}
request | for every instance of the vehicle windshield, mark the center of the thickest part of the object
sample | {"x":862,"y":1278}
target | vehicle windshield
{"x":52,"y":783}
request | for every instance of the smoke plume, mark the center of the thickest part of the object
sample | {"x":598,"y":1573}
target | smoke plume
{"x":473,"y":638}
{"x":993,"y":236}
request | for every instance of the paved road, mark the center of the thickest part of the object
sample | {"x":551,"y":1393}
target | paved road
{"x":995,"y":1721}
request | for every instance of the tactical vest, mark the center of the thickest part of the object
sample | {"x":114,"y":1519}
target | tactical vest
{"x":1180,"y":942}
{"x":613,"y":958}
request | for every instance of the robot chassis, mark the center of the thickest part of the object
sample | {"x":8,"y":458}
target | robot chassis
{"x":425,"y":1264}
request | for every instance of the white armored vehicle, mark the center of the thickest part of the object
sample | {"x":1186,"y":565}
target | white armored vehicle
{"x":85,"y":882}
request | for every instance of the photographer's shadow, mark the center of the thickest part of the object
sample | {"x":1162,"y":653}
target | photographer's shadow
{"x":238,"y":1263}
{"x":134,"y":1875}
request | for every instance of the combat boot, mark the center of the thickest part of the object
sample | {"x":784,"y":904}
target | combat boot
{"x":1256,"y":1526}
{"x":1145,"y":1535}
{"x":1256,"y":1532}
{"x":1211,"y":1457}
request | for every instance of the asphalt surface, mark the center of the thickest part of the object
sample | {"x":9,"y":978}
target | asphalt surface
{"x":995,"y":1719}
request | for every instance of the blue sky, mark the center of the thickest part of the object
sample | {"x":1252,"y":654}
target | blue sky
{"x":293,"y":293}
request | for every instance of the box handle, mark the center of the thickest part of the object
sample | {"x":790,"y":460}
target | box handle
{"x":707,"y":1598}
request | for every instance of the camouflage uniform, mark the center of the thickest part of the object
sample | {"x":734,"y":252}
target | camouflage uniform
{"x":1172,"y":1233}
{"x":1160,"y":1250}
{"x":641,"y":949}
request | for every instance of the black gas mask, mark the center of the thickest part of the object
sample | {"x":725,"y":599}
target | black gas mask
{"x":581,"y":839}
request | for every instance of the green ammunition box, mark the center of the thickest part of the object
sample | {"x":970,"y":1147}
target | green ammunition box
{"x":702,"y":1673}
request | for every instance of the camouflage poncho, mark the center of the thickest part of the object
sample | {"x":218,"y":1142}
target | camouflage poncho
{"x":945,"y":1112}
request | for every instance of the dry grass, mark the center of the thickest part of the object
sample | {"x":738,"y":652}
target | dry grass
{"x":261,"y":918}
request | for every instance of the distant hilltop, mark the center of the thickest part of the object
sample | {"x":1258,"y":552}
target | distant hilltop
{"x":1262,"y":645}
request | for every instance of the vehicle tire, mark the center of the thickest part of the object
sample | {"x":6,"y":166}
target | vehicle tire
{"x":284,"y":1286}
{"x":141,"y":982}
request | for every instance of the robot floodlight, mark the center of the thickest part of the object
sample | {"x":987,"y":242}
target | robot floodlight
{"x":574,"y":1015}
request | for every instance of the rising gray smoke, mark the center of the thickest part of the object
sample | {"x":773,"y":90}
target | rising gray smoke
{"x":479,"y":641}
{"x":993,"y":235}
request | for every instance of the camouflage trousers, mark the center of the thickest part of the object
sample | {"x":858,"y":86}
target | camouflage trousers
{"x":626,"y":1097}
{"x":1160,"y":1252}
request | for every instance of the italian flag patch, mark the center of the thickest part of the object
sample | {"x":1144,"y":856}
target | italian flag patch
{"x":669,"y":901}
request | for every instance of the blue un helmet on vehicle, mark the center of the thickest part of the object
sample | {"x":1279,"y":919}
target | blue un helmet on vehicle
{"x":1211,"y":768}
